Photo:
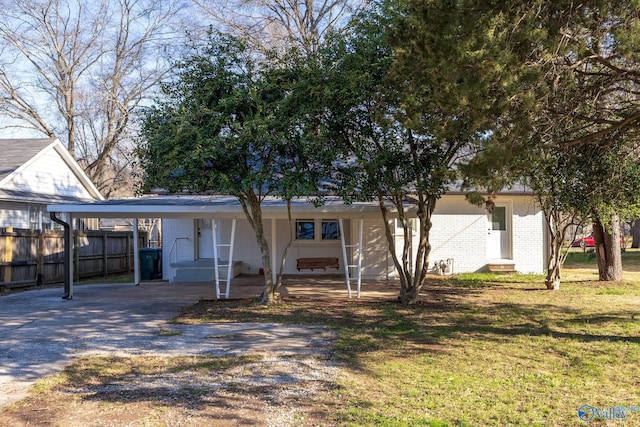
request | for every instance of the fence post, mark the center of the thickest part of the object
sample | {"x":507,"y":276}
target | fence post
{"x":105,"y":257}
{"x":75,"y":247}
{"x":128,"y":250}
{"x":40,"y":256}
{"x":8,"y":254}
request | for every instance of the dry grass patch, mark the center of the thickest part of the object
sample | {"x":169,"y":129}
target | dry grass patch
{"x":175,"y":391}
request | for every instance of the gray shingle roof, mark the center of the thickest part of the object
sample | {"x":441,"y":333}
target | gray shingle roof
{"x":15,"y":152}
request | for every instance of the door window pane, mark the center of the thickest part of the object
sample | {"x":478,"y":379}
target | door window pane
{"x":499,"y":218}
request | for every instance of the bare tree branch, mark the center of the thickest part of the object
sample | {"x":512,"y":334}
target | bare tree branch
{"x":78,"y":70}
{"x":276,"y":23}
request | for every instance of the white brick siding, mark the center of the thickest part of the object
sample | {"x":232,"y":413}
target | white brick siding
{"x":459,"y":232}
{"x":529,"y":236}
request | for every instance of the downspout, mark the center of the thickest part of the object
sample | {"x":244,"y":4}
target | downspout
{"x":67,"y":253}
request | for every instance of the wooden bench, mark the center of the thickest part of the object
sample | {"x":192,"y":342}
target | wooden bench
{"x":317,"y":263}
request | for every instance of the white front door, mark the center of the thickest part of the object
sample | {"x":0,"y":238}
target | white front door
{"x":205,"y":238}
{"x":498,"y":234}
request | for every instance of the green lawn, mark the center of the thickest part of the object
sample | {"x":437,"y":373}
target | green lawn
{"x":480,"y":349}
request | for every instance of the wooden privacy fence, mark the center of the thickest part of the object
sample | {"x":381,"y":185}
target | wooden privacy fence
{"x":33,"y":257}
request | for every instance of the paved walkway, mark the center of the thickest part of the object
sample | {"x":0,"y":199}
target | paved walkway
{"x":40,"y":333}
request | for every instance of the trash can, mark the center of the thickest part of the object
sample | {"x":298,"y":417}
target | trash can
{"x":150,"y":263}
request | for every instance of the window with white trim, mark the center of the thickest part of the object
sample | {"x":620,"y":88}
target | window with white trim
{"x":34,"y":217}
{"x":330,"y":229}
{"x":305,"y":229}
{"x":317,"y":230}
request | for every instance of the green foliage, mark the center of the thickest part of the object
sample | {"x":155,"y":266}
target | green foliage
{"x":400,"y":99}
{"x":576,"y":142}
{"x":225,"y":124}
{"x":228,"y":124}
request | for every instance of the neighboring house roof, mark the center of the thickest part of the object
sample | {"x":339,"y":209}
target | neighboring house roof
{"x":42,"y":170}
{"x":16,"y":152}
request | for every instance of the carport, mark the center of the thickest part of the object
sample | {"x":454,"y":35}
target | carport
{"x":216,"y":208}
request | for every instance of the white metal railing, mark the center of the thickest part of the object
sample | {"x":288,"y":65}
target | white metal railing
{"x":172,"y":261}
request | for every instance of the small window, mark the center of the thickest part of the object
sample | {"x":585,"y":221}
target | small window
{"x":34,"y":218}
{"x":330,"y":229}
{"x":54,"y":225}
{"x":305,"y":229}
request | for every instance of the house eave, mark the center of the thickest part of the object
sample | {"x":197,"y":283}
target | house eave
{"x":218,"y":206}
{"x":210,"y":206}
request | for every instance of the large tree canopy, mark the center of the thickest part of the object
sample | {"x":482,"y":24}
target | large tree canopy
{"x":225,"y":124}
{"x":536,"y":92}
{"x":572,"y":131}
{"x":409,"y":92}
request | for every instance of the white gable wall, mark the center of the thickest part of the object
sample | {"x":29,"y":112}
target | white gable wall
{"x":48,"y":174}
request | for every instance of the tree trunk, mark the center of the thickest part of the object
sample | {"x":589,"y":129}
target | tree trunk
{"x":402,"y":266}
{"x":426,"y":205}
{"x":554,"y":263}
{"x":558,"y":226}
{"x":283,"y":260}
{"x":608,"y":251}
{"x":411,"y":281}
{"x":253,"y":211}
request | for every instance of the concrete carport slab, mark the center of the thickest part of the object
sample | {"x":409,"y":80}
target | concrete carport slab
{"x":40,"y":333}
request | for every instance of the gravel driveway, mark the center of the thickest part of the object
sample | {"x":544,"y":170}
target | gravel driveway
{"x":40,"y":333}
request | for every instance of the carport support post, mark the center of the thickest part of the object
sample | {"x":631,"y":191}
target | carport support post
{"x":70,"y":256}
{"x":274,"y":260}
{"x":216,"y":273}
{"x":358,"y":265}
{"x":344,"y":257}
{"x":67,"y":255}
{"x":360,"y":232}
{"x":136,"y":254}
